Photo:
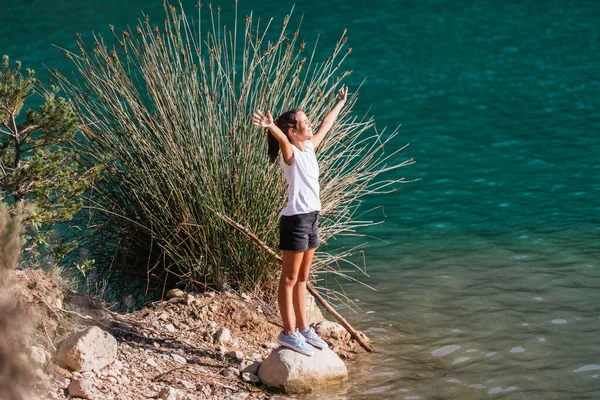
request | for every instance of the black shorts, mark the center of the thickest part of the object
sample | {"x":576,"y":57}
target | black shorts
{"x":299,"y":232}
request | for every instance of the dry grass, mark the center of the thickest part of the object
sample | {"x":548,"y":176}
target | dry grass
{"x":15,"y":373}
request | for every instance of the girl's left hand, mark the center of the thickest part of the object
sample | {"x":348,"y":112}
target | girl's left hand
{"x":343,"y":93}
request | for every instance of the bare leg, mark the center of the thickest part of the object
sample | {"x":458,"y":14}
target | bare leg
{"x":289,"y":275}
{"x":300,"y":289}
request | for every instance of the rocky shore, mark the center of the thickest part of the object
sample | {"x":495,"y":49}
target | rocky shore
{"x":190,"y":346}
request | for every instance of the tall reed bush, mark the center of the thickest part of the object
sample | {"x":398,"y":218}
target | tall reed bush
{"x":168,"y":109}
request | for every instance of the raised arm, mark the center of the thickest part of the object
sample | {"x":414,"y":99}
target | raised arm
{"x":266,"y":121}
{"x":330,"y":118}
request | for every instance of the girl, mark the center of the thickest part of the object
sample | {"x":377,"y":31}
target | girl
{"x":298,"y":224}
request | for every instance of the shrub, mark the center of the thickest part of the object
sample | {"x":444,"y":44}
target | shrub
{"x":40,"y":178}
{"x":170,"y":108}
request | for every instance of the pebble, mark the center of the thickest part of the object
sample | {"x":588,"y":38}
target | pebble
{"x":170,"y":328}
{"x":178,"y":359}
{"x":236,"y":354}
{"x":249,"y":366}
{"x":80,"y":388}
{"x":223,"y":335}
{"x":112,"y":379}
{"x":231,"y":372}
{"x":150,"y":361}
{"x":173,"y":293}
{"x":250,"y":378}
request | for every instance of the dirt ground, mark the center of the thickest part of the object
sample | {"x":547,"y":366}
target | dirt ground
{"x":172,"y":343}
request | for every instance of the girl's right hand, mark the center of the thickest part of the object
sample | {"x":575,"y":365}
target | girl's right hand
{"x":262,"y":120}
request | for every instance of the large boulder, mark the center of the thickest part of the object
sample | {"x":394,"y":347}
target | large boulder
{"x":292,"y":372}
{"x":86,"y":350}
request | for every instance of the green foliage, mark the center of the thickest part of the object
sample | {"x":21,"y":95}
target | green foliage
{"x":170,"y":112}
{"x":40,"y":177}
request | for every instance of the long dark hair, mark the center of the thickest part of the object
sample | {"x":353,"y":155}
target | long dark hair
{"x":285,"y":121}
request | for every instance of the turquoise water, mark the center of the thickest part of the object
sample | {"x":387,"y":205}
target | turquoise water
{"x":489,"y":277}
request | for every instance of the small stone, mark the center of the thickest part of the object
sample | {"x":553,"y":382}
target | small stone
{"x":188,"y":385}
{"x":236,"y":354}
{"x":178,"y":359}
{"x":231,"y":373}
{"x":112,"y":373}
{"x":112,"y":379}
{"x":250,"y":378}
{"x":173,"y":293}
{"x":138,"y":374}
{"x":163,"y":316}
{"x":245,"y":296}
{"x":190,"y":299}
{"x":38,"y":355}
{"x":223,"y":335}
{"x":150,"y":361}
{"x":222,"y":350}
{"x":210,"y":294}
{"x":204,"y":388}
{"x":169,"y":393}
{"x":270,"y":345}
{"x":156,"y":345}
{"x":237,"y":396}
{"x":117,"y":365}
{"x":249,"y":366}
{"x":170,"y":328}
{"x":80,"y":388}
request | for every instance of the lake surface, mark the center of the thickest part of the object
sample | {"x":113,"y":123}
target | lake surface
{"x":489,"y":277}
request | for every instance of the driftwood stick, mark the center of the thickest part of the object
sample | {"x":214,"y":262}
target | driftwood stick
{"x":309,"y":287}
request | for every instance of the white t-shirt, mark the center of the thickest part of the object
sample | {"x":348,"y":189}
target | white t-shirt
{"x":303,"y":181}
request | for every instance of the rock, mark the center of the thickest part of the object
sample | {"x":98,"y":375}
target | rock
{"x":117,"y":365}
{"x":38,"y":355}
{"x":163,"y":316}
{"x":328,"y":329}
{"x":90,"y":349}
{"x":80,"y":388}
{"x":174,"y":293}
{"x":270,"y":345}
{"x":249,"y":366}
{"x":237,"y":396}
{"x":112,"y":379}
{"x":169,"y":393}
{"x":190,"y":299}
{"x":236,"y":354}
{"x":223,"y":335}
{"x":293,"y":372}
{"x":150,"y":361}
{"x":170,"y":328}
{"x":188,"y":385}
{"x":250,"y":378}
{"x":278,"y":397}
{"x":231,"y":373}
{"x":178,"y":359}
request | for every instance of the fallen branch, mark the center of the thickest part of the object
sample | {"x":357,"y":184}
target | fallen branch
{"x":309,"y":287}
